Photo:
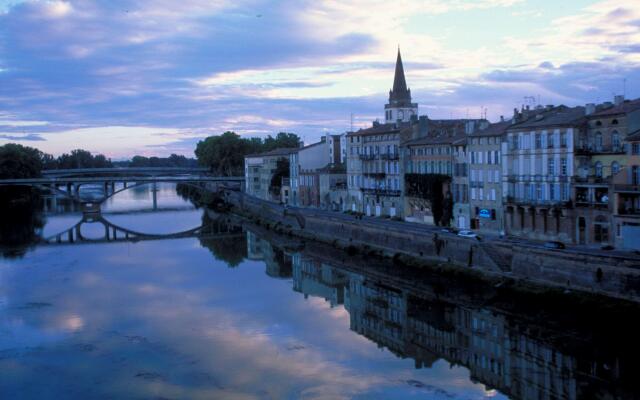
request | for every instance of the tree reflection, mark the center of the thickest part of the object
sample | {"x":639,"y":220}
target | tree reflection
{"x":230,"y":249}
{"x":21,"y":219}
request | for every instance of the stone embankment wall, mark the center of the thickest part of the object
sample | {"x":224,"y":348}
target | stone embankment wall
{"x":601,"y":274}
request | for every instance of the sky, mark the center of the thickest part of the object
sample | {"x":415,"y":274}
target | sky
{"x":153,"y":77}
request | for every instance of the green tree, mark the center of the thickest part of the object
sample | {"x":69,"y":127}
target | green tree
{"x":83,"y":159}
{"x":223,"y":154}
{"x":282,"y":139}
{"x":17,"y":161}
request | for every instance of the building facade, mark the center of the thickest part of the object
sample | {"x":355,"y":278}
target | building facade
{"x":259,"y":170}
{"x":538,"y":172}
{"x":485,"y":178}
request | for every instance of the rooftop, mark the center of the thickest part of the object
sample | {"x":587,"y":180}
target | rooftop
{"x":625,"y":107}
{"x":561,"y":115}
{"x":282,"y":151}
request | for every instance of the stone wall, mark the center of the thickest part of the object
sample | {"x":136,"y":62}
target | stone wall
{"x":603,"y":274}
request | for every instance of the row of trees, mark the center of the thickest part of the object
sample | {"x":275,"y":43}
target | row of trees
{"x":224,"y":154}
{"x":174,"y":160}
{"x":18,"y":161}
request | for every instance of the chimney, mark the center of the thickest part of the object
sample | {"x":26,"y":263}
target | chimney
{"x":469,"y":127}
{"x":589,"y":108}
{"x":376,"y":123}
{"x":414,"y":118}
{"x":516,"y":116}
{"x":617,"y":100}
{"x":502,"y":118}
{"x":484,"y":124}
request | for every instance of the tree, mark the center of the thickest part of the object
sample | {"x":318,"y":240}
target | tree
{"x":83,"y":159}
{"x":282,"y":139}
{"x":17,"y":161}
{"x":223,"y":154}
{"x":282,"y":171}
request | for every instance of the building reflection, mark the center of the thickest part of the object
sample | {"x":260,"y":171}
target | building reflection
{"x":278,"y":263}
{"x":501,"y":351}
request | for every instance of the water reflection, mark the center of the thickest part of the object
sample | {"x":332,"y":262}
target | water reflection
{"x":234,"y":311}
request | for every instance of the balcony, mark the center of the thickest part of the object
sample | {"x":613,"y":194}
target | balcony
{"x":512,"y":200}
{"x":375,"y":175}
{"x":593,"y":150}
{"x":389,"y":156}
{"x":367,"y":157}
{"x":338,"y":186}
{"x":382,"y":192}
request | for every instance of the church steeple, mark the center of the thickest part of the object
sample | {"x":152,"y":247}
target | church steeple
{"x":399,"y":91}
{"x":400,"y":106}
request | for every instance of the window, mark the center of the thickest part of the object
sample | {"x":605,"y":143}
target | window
{"x":598,"y":168}
{"x":615,"y":141}
{"x":563,"y":139}
{"x":615,"y":168}
{"x":551,"y":166}
{"x":599,"y":141}
{"x":563,"y":166}
{"x":635,"y":175}
{"x":614,"y":122}
{"x":552,"y":192}
{"x":538,"y":141}
{"x":635,"y":149}
{"x":549,"y":139}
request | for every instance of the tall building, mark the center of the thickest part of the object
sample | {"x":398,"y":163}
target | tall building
{"x":600,"y":158}
{"x":538,"y":172}
{"x":485,"y":177}
{"x":373,"y":157}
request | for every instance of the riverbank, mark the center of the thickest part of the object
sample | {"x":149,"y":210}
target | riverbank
{"x":414,"y":245}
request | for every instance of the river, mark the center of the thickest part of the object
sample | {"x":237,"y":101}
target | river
{"x":177,"y":302}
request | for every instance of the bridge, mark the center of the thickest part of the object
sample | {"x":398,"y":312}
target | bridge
{"x":137,"y":171}
{"x":72,"y":179}
{"x":115,"y":233}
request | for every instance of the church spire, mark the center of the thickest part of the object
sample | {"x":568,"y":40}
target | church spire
{"x":400,"y":106}
{"x":399,"y":93}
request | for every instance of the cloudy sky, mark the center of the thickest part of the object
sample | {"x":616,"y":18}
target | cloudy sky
{"x":128,"y":77}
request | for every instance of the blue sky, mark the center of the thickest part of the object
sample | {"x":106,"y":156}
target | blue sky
{"x":128,"y":77}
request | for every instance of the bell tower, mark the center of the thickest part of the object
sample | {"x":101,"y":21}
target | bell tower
{"x":399,"y":106}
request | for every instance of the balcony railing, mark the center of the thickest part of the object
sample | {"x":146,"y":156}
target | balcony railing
{"x":534,"y":202}
{"x":375,"y":175}
{"x":389,"y":156}
{"x":588,"y":151}
{"x":382,"y":192}
{"x":367,"y":157}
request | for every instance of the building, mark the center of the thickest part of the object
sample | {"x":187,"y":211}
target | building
{"x":374,"y":179}
{"x":373,"y":157}
{"x":310,"y":159}
{"x":259,"y":170}
{"x":538,"y":172}
{"x":485,"y":177}
{"x":600,"y":158}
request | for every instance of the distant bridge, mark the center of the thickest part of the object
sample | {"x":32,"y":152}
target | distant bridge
{"x":72,"y":180}
{"x":136,"y":171}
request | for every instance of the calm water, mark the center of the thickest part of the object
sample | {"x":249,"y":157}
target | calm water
{"x":227,"y":311}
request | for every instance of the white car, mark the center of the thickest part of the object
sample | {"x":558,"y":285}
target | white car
{"x":469,"y":234}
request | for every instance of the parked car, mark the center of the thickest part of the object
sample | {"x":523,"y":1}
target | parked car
{"x":467,"y":233}
{"x":554,"y":245}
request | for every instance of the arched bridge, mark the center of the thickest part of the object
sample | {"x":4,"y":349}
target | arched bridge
{"x":116,"y":233}
{"x":69,"y":186}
